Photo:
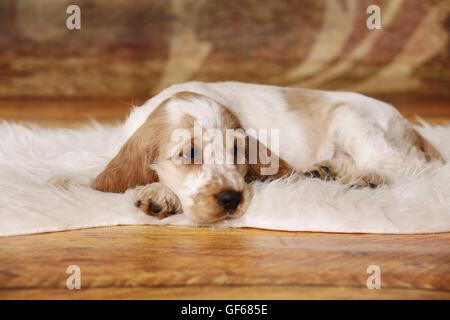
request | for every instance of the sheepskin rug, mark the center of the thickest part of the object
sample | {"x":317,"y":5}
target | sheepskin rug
{"x":418,"y":201}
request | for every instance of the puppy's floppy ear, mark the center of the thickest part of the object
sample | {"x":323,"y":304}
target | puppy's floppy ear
{"x":131,"y":166}
{"x":265,"y":164}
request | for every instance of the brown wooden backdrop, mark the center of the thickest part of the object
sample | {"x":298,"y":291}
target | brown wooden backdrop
{"x":135,"y":48}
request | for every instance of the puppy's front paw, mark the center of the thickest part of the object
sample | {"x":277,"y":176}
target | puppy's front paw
{"x":371,"y":181}
{"x":157,"y":200}
{"x":324,"y":171}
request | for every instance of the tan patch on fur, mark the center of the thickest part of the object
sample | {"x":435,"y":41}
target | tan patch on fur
{"x":187,"y":95}
{"x":416,"y":140}
{"x":255,"y":169}
{"x":315,"y":110}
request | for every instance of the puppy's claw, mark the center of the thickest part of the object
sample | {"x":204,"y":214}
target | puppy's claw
{"x":313,"y":174}
{"x":323,"y":171}
{"x":326,"y":169}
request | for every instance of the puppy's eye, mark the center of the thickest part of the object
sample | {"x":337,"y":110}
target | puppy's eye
{"x":191,"y":155}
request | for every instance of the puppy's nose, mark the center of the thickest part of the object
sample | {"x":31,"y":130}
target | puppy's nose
{"x":229,"y":199}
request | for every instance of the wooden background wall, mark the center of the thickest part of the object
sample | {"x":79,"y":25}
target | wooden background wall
{"x":135,"y":48}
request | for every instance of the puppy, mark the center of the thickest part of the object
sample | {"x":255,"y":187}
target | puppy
{"x":196,"y":146}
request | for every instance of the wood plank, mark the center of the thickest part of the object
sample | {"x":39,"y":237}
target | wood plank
{"x":66,"y":112}
{"x":76,"y":112}
{"x":151,"y":261}
{"x":227,"y":293}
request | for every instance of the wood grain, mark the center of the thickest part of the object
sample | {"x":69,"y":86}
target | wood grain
{"x":76,"y":112}
{"x":174,"y":262}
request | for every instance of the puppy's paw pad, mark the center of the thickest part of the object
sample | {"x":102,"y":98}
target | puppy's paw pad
{"x":324,"y":171}
{"x":372,"y":181}
{"x":158,"y":201}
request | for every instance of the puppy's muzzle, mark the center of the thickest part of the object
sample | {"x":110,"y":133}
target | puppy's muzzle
{"x":229,"y":200}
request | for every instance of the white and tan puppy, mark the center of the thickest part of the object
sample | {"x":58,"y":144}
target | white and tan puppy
{"x":173,"y":138}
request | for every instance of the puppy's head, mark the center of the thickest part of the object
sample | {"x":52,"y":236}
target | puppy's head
{"x":197,"y":148}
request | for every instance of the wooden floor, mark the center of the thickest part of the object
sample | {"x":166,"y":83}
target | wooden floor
{"x":179,"y":263}
{"x":75,"y":112}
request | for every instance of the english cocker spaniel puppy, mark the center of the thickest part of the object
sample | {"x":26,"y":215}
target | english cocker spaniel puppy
{"x":196,"y":146}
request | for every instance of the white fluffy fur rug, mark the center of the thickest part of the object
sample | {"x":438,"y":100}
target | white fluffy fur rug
{"x":418,"y":202}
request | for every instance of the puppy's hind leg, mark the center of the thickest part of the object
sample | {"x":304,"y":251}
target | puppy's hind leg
{"x":342,"y":169}
{"x":366,"y":144}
